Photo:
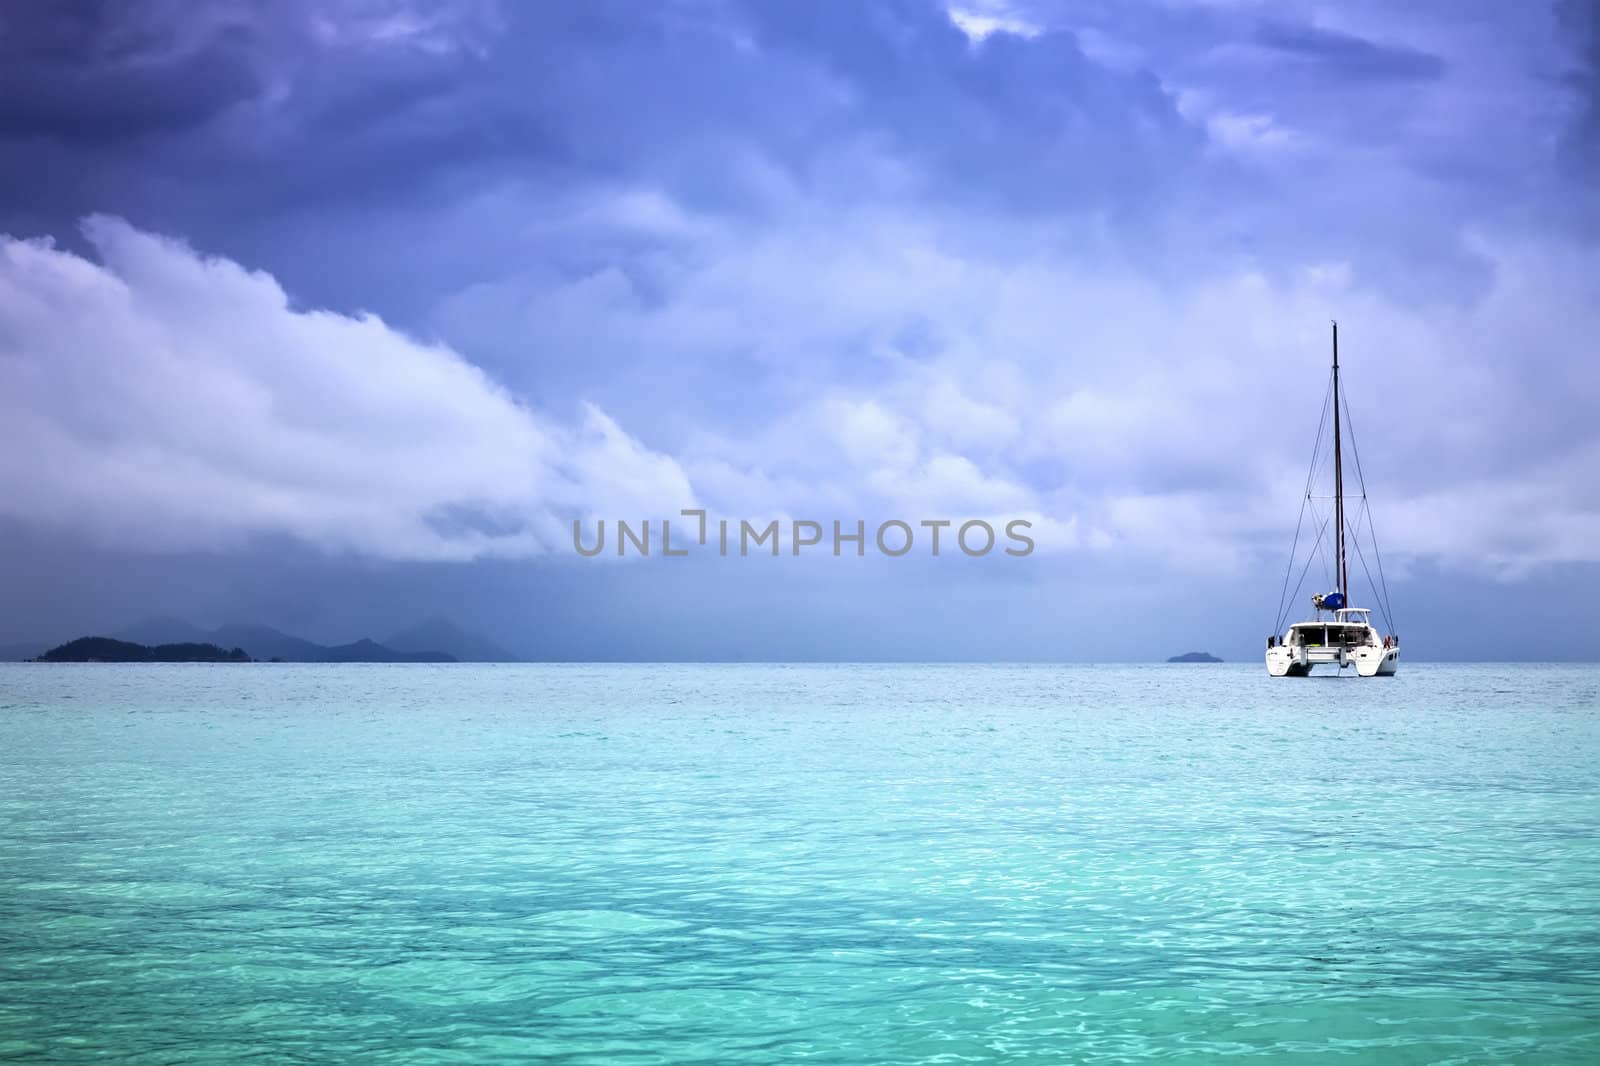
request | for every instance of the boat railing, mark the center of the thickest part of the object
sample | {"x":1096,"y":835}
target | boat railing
{"x":1390,"y":640}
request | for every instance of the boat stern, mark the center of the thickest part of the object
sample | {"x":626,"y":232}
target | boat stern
{"x":1284,"y":661}
{"x":1377,"y":662}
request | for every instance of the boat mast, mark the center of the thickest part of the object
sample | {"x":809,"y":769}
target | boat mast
{"x":1338,"y":476}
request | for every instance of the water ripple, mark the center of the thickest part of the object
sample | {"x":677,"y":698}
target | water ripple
{"x":636,"y":864}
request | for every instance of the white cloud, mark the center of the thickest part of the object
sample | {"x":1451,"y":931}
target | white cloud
{"x":980,"y":22}
{"x":163,"y":399}
{"x":432,"y":28}
{"x":934,"y":364}
{"x":1254,"y":134}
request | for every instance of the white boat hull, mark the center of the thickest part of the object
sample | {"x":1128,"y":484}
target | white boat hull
{"x":1377,"y":662}
{"x":1283,"y":661}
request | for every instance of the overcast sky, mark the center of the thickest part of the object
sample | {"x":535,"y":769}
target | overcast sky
{"x":335,"y":315}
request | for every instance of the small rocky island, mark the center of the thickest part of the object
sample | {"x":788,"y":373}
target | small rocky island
{"x":1194,"y":657}
{"x":106,"y":650}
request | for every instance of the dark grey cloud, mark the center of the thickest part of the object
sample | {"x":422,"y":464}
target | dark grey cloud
{"x":263,"y":129}
{"x":1580,"y":20}
{"x":600,"y":92}
{"x":101,"y":73}
{"x":1033,"y":123}
{"x":1347,"y":56}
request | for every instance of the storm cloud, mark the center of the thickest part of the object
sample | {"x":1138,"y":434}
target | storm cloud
{"x":421,"y":281}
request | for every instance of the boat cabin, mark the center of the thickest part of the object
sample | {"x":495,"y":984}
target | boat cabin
{"x":1351,"y":627}
{"x":1328,"y":635}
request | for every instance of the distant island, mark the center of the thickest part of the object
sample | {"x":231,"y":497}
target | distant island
{"x":229,"y":644}
{"x":1194,"y":657}
{"x":109,"y":650}
{"x":106,"y":650}
{"x":432,"y":642}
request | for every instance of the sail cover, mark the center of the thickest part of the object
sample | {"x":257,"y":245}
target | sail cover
{"x":1333,"y":601}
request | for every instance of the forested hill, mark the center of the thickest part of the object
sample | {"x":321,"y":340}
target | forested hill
{"x":106,"y":650}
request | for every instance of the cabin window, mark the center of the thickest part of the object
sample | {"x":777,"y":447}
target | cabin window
{"x":1346,"y":634}
{"x":1330,"y":636}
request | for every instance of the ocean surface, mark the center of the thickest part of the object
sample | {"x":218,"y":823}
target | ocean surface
{"x":835,"y":864}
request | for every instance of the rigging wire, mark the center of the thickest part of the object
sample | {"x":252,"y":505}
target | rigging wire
{"x":1322,"y":553}
{"x":1356,"y":540}
{"x":1372,"y":530}
{"x":1314,"y":554}
{"x":1310,"y":476}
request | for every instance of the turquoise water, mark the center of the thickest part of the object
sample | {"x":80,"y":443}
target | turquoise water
{"x":840,"y":864}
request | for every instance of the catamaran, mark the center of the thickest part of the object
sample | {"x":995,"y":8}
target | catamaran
{"x":1338,"y":633}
